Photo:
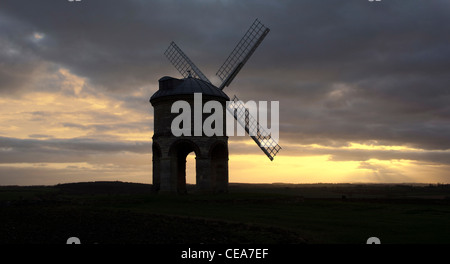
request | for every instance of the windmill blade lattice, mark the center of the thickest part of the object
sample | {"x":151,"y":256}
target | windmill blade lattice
{"x":241,"y":53}
{"x":182,"y":63}
{"x":267,"y":144}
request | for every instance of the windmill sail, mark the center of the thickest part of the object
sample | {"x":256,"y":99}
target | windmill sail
{"x":265,"y":142}
{"x":241,"y":53}
{"x":227,"y":72}
{"x":182,"y":63}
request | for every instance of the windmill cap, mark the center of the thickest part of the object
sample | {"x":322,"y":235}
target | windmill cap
{"x":169,"y":86}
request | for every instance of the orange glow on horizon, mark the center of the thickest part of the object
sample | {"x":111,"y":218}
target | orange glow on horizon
{"x":74,"y":112}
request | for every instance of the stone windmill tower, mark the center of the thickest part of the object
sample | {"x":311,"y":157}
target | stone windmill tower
{"x":170,"y":152}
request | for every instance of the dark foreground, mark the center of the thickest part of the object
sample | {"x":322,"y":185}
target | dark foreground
{"x":116,"y":212}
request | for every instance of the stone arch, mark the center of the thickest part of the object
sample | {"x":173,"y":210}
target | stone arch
{"x":186,"y":143}
{"x":157,"y":154}
{"x":178,"y":152}
{"x":218,"y":154}
{"x":219,"y":150}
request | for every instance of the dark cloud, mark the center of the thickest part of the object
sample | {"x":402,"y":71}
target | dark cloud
{"x":98,"y":129}
{"x":39,"y":136}
{"x":52,"y":150}
{"x":343,"y":71}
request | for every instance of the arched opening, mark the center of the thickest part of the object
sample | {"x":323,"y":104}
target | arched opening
{"x":219,"y":167}
{"x":191,"y":172}
{"x":178,"y":153}
{"x":156,"y":150}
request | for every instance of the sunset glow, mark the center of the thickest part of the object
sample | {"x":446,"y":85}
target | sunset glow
{"x":74,"y":98}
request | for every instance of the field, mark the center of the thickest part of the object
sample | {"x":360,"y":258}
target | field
{"x":123,"y":213}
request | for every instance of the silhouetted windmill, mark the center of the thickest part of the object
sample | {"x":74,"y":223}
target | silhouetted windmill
{"x":227,"y":72}
{"x":169,"y":153}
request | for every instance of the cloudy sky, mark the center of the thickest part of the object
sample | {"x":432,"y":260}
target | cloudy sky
{"x":364,"y":87}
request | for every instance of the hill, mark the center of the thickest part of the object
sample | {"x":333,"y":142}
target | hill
{"x":121,"y":213}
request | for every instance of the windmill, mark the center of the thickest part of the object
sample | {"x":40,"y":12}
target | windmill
{"x":170,"y":152}
{"x":227,"y":72}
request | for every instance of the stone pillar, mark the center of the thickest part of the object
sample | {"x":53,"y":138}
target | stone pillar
{"x":166,"y":179}
{"x":156,"y":174}
{"x":220,"y":175}
{"x":203,"y":171}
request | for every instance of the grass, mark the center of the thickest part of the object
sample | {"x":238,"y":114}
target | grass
{"x":323,"y":214}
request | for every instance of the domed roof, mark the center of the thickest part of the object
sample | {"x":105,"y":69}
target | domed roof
{"x":169,"y":86}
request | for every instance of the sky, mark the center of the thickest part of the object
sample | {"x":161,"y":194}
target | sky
{"x":363,"y":87}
